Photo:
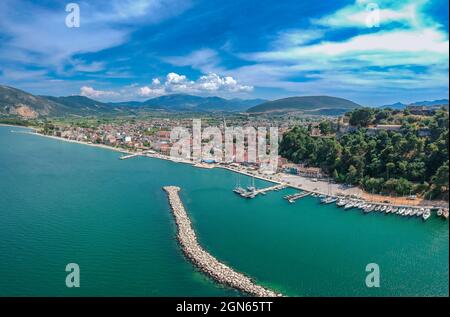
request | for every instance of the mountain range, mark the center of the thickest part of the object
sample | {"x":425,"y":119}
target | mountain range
{"x":16,"y":102}
{"x":426,"y":103}
{"x":181,"y":102}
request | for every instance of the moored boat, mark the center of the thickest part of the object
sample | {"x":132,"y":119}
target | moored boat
{"x":349,"y":205}
{"x":426,"y":214}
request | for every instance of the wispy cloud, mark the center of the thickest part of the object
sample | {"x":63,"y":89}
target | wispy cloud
{"x":206,"y":60}
{"x":36,"y":35}
{"x":413,"y":55}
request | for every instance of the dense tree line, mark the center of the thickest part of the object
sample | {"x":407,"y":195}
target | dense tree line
{"x":390,"y":162}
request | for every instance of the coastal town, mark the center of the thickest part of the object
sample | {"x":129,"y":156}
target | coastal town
{"x":152,"y":138}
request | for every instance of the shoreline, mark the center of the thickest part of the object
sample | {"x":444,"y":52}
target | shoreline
{"x":284,"y":179}
{"x":102,"y":146}
{"x":207,"y":263}
{"x":16,"y":126}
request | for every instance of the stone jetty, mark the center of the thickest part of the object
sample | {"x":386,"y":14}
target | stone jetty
{"x":202,"y":259}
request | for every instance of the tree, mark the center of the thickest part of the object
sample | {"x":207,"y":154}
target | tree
{"x":326,"y":127}
{"x":441,"y":182}
{"x":389,"y":167}
{"x":335,"y":175}
{"x":352,"y":175}
{"x":361,"y":117}
{"x":392,"y":162}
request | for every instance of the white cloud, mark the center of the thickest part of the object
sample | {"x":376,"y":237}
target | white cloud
{"x":93,"y":93}
{"x":175,"y":79}
{"x":147,"y":91}
{"x":213,"y":82}
{"x":384,"y":48}
{"x":206,"y":84}
{"x":43,"y":40}
{"x":205,"y":60}
{"x":407,"y":57}
{"x":389,"y":11}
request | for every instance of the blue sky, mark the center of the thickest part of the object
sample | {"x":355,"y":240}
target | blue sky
{"x":136,"y":50}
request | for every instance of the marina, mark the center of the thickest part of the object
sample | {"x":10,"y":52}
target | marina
{"x":125,"y":215}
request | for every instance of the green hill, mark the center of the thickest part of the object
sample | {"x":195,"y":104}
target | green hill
{"x":307,"y":104}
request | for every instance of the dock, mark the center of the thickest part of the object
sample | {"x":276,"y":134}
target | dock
{"x":208,"y":264}
{"x":268,"y":189}
{"x":126,"y":157}
{"x":255,"y":192}
{"x":131,"y":155}
{"x":294,"y":197}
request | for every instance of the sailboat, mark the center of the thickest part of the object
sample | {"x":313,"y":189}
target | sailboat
{"x":238,"y":189}
{"x":252,"y":187}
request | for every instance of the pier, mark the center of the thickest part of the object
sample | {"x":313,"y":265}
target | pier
{"x":294,"y":197}
{"x":203,"y":260}
{"x":268,"y":189}
{"x":131,"y":155}
{"x":125,"y":157}
{"x":255,"y":192}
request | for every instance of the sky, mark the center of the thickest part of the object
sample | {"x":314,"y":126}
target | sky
{"x":373,"y":52}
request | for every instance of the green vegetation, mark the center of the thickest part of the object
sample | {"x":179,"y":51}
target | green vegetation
{"x":412,"y":160}
{"x":306,"y":103}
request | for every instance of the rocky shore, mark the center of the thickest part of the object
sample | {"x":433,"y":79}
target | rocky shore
{"x":202,"y":259}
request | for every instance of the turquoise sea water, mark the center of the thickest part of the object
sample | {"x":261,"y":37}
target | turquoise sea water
{"x":62,"y":202}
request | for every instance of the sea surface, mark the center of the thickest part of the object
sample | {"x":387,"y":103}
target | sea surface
{"x":66,"y":203}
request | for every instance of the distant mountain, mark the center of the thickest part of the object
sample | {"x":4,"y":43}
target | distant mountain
{"x":395,"y":106}
{"x":81,"y":104}
{"x":431,"y":103}
{"x":401,"y":106}
{"x":307,"y":104}
{"x":182,"y":102}
{"x":16,"y":102}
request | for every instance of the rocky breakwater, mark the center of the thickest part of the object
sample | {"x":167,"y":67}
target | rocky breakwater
{"x":202,"y":259}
